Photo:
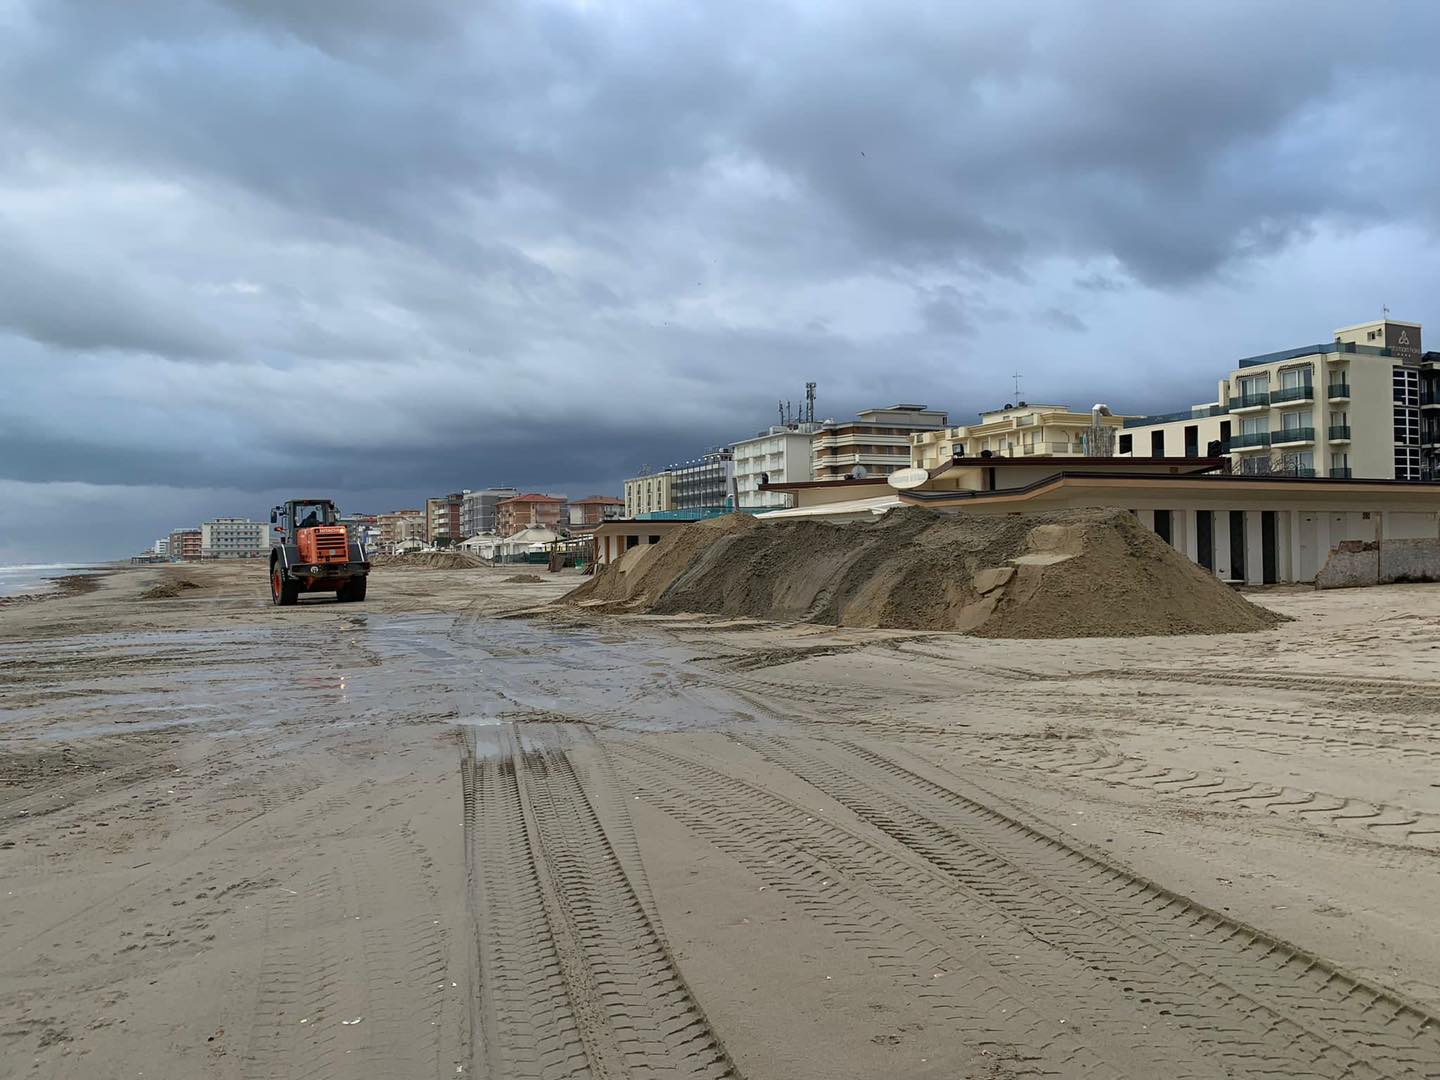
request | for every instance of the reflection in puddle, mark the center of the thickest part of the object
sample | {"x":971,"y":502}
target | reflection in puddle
{"x":422,"y":668}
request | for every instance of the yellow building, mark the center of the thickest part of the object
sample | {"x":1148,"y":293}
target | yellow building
{"x":649,"y":493}
{"x":1364,"y":406}
{"x":1023,"y":430}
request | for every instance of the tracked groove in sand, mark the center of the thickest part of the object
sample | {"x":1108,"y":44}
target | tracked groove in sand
{"x":1009,"y":995}
{"x":1345,"y":814}
{"x":575,"y":981}
{"x":1285,"y":1011}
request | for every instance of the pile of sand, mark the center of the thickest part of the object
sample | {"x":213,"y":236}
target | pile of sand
{"x":432,"y":560}
{"x":1080,"y":573}
{"x":168,"y":590}
{"x":522,"y":579}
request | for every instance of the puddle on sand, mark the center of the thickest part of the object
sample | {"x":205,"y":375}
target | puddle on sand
{"x":366,"y":668}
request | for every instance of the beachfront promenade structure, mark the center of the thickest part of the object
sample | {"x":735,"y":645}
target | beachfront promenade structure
{"x":1259,"y":529}
{"x":1364,"y":406}
{"x":1020,"y":430}
{"x":877,"y":441}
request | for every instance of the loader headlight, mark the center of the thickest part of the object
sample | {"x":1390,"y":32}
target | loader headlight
{"x":314,"y":569}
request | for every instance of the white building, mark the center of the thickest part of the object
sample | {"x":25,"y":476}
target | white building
{"x":780,"y":455}
{"x":233,"y":538}
{"x":1364,"y":406}
{"x":162,"y":546}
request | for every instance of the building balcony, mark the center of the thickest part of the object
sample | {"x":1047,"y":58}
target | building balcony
{"x":1338,"y":391}
{"x":1292,"y":394}
{"x":1249,"y":402}
{"x":1341,"y":474}
{"x":1339,"y":433}
{"x":1257,"y":440}
{"x":1292,"y":436}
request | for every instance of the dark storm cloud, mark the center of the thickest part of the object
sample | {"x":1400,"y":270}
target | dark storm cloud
{"x":398,"y":247}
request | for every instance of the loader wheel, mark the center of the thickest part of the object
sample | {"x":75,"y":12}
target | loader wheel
{"x":352,"y":591}
{"x":283,"y":593}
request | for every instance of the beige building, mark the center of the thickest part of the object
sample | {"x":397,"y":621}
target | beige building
{"x":649,"y":493}
{"x":400,"y":526}
{"x":877,"y":441}
{"x":1364,"y":406}
{"x":1245,"y":527}
{"x":1022,"y":430}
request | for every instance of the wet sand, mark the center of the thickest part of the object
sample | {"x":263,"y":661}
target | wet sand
{"x":421,"y":837}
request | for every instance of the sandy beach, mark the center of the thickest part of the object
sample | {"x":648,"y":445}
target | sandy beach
{"x":444,"y":833}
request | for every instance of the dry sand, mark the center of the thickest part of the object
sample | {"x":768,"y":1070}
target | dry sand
{"x":1085,"y":573}
{"x":424,"y":837}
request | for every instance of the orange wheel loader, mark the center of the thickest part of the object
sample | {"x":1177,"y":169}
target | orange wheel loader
{"x":311,"y":551}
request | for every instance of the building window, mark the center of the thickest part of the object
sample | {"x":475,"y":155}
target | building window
{"x":1296,"y":377}
{"x":1192,"y":440}
{"x":1126,"y":443}
{"x":1407,"y":463}
{"x":1157,"y":443}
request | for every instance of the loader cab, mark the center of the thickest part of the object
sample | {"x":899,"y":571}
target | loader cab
{"x":303,"y":514}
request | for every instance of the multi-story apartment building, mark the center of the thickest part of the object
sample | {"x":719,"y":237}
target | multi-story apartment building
{"x":1020,"y":430}
{"x":704,"y":483}
{"x":1361,"y":406}
{"x":530,"y":511}
{"x":877,"y":440}
{"x":234,"y":538}
{"x":162,"y":546}
{"x":780,"y":455}
{"x":649,"y":493}
{"x":400,"y":525}
{"x":477,"y":510}
{"x":185,"y":544}
{"x":442,"y":518}
{"x":590,"y":511}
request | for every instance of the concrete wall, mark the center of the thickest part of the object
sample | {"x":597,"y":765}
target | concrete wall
{"x":1358,"y":563}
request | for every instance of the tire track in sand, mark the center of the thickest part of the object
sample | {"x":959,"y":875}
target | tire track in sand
{"x":574,"y":978}
{"x":1262,"y":1005}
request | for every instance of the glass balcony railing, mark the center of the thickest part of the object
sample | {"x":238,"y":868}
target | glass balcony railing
{"x":1292,"y":435}
{"x":1338,"y":390}
{"x":1250,"y":401}
{"x":1245,"y":442}
{"x":1340,"y":474}
{"x":1292,"y":393}
{"x":1339,"y":433}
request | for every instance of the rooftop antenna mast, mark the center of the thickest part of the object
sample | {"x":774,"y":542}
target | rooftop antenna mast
{"x":809,"y":402}
{"x":1017,"y":378}
{"x":781,"y":406}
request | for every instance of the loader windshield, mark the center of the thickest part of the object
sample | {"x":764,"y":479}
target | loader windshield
{"x":308,"y":514}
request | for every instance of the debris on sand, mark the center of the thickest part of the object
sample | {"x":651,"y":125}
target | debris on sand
{"x":433,"y":560}
{"x":168,"y":590}
{"x":522,"y":579}
{"x":1074,"y":573}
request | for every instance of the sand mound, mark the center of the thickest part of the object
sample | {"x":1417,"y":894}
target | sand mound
{"x":521,"y":579}
{"x":168,"y":590}
{"x":432,"y":560}
{"x":1082,"y":573}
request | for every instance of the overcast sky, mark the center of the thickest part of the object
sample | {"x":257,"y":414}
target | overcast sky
{"x":251,"y":248}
